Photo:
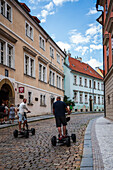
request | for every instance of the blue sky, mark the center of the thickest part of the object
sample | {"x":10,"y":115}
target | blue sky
{"x":72,"y":25}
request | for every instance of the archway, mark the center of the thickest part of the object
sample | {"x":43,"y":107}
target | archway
{"x":7,"y":92}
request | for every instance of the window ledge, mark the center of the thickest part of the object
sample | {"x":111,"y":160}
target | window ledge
{"x":30,"y":104}
{"x":29,"y":76}
{"x":7,"y":66}
{"x":42,"y":81}
{"x":43,"y":105}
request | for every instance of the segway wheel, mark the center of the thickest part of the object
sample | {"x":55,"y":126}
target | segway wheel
{"x":26,"y":134}
{"x":15,"y":133}
{"x":73,"y":137}
{"x":53,"y":140}
{"x":68,"y":141}
{"x":33,"y":131}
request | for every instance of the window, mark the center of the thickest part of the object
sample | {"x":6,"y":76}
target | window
{"x":51,"y":52}
{"x":80,"y":81}
{"x":102,"y":86}
{"x":51,"y":78}
{"x":29,"y":97}
{"x":85,"y":82}
{"x":75,"y":79}
{"x":99,"y":100}
{"x":75,"y":97}
{"x":81,"y":98}
{"x":6,"y":73}
{"x":108,"y":99}
{"x":42,"y":100}
{"x":29,"y":66}
{"x":62,"y":62}
{"x":102,"y":100}
{"x":58,"y":82}
{"x":94,"y":99}
{"x":29,"y":30}
{"x":107,"y":52}
{"x":86,"y":98}
{"x":6,"y":10}
{"x":42,"y":42}
{"x":98,"y":86}
{"x":94,"y":85}
{"x":89,"y":83}
{"x":9,"y":55}
{"x":58,"y":58}
{"x":63,"y":84}
{"x":6,"y":54}
{"x":42,"y":72}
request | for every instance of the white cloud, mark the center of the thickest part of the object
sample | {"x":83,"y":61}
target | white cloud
{"x":94,"y":63}
{"x":32,"y":1}
{"x":95,"y":47}
{"x":82,"y":49}
{"x":63,"y":46}
{"x":49,"y":6}
{"x":93,"y":30}
{"x":92,"y":11}
{"x":53,"y":36}
{"x":78,"y":38}
{"x":60,"y":2}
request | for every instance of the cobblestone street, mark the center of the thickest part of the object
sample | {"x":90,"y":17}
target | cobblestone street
{"x":36,"y":152}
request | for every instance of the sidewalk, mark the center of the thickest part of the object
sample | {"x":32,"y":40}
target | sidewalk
{"x":98,"y":145}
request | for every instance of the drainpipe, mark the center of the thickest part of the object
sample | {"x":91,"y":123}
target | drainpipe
{"x":103,"y":55}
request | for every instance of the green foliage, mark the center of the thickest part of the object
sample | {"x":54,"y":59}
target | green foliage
{"x":68,"y":101}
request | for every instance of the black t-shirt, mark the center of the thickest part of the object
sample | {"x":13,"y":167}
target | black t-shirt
{"x":2,"y":108}
{"x":60,"y":108}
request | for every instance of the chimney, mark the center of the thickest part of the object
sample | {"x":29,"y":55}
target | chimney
{"x":69,"y":54}
{"x":79,"y":59}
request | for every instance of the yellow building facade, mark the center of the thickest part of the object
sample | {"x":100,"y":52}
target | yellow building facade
{"x":31,"y":63}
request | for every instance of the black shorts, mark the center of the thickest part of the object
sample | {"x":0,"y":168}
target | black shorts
{"x":60,"y":121}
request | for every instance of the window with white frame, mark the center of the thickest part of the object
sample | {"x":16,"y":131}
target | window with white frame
{"x":80,"y":81}
{"x":98,"y":86}
{"x":102,"y":86}
{"x":6,"y":54}
{"x":86,"y":98}
{"x":62,"y":62}
{"x":75,"y":97}
{"x":51,"y":52}
{"x":63,"y":84}
{"x":29,"y":65}
{"x":89,"y":83}
{"x":94,"y":99}
{"x":29,"y":30}
{"x":42,"y":42}
{"x":85,"y":82}
{"x":42,"y":100}
{"x":98,"y":99}
{"x":94,"y":85}
{"x":102,"y":100}
{"x":6,"y":10}
{"x":51,"y":77}
{"x":29,"y":97}
{"x":58,"y":82}
{"x":58,"y":58}
{"x":81,"y":98}
{"x":42,"y":72}
{"x":75,"y":79}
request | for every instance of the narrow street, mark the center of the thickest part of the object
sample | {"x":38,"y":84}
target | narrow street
{"x":36,"y":152}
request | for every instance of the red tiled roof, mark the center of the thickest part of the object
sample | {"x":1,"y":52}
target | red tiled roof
{"x":101,"y":70}
{"x":25,"y":7}
{"x":84,"y":68}
{"x":36,"y":19}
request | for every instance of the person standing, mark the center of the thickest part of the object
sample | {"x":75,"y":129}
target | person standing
{"x":21,"y":116}
{"x":71,"y":107}
{"x":59,"y":109}
{"x":12,"y":113}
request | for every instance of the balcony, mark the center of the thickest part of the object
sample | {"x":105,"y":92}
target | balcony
{"x":110,"y":24}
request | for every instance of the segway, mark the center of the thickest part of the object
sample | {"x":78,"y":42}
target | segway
{"x":65,"y":140}
{"x":32,"y":130}
{"x":16,"y":134}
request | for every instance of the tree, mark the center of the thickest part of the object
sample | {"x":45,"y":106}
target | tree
{"x":68,"y":101}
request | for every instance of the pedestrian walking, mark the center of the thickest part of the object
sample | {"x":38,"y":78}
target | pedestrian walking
{"x":12,"y":113}
{"x":2,"y":110}
{"x":6,"y":112}
{"x":71,"y":107}
{"x":59,"y":109}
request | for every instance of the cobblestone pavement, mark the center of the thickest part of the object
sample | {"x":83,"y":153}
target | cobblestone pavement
{"x":36,"y":152}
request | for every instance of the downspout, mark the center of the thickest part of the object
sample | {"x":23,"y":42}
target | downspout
{"x":103,"y":55}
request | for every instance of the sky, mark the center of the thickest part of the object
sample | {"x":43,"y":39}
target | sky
{"x":72,"y":25}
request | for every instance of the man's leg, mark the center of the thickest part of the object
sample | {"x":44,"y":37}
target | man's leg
{"x":20,"y":125}
{"x":64,"y":130}
{"x":25,"y":121}
{"x":60,"y":131}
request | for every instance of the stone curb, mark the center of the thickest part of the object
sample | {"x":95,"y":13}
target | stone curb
{"x":87,"y":159}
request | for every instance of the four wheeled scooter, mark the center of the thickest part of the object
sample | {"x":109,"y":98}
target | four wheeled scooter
{"x":66,"y":140}
{"x":24,"y":132}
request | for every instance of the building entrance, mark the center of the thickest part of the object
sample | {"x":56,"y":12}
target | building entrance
{"x":6,"y":92}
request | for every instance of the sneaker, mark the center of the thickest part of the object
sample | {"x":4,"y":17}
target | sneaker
{"x":60,"y":137}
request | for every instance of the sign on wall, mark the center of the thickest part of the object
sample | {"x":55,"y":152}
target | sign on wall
{"x":21,"y":89}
